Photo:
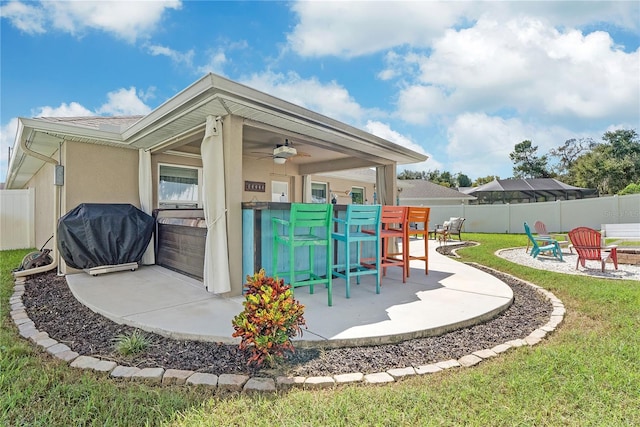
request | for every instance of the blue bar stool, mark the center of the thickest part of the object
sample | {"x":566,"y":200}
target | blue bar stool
{"x":349,"y":231}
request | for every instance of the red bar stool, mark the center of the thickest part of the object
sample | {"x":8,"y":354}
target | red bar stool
{"x":419,"y":216}
{"x":394,"y":225}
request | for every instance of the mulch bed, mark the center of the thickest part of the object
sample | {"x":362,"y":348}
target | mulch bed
{"x":54,"y":309}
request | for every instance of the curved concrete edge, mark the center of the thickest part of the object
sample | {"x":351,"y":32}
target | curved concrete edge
{"x":398,"y":338}
{"x":234,"y":383}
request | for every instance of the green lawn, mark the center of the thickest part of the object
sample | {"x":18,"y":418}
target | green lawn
{"x":585,"y":373}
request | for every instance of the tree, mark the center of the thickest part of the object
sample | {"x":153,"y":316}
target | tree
{"x":463,"y":180}
{"x":485,"y":180}
{"x":610,"y":166}
{"x":527,"y":163}
{"x":407,"y":174}
{"x":569,"y":152}
{"x":630,"y":189}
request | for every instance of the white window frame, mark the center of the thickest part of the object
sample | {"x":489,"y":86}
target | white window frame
{"x":364,"y":195}
{"x":186,"y":204}
{"x":283,"y":187}
{"x":326,"y":190}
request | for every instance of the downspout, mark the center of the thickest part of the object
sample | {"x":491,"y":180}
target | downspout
{"x":56,"y":204}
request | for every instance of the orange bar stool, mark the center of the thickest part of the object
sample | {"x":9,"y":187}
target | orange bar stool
{"x":420,"y":217}
{"x":394,"y":225}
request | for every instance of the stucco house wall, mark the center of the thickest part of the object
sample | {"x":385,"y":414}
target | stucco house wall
{"x":45,"y":192}
{"x":99,"y":174}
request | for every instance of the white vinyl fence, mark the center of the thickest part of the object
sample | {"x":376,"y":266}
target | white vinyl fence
{"x":17,"y":221}
{"x":557,"y":216}
{"x":17,"y":215}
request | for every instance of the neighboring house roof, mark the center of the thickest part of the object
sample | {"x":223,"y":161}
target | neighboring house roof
{"x":422,"y":189}
{"x":527,"y":184}
{"x":183,"y":118}
{"x":531,"y":188}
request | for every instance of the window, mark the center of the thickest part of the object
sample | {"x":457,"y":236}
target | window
{"x":318,"y":192}
{"x":179,"y":187}
{"x":357,"y":195}
{"x":279,"y":191}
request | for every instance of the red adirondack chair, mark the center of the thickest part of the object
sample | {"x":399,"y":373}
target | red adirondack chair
{"x":588,"y":245}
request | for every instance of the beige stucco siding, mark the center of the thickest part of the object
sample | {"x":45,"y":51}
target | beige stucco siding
{"x":45,"y":192}
{"x":99,"y":174}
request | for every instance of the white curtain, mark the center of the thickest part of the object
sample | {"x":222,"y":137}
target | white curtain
{"x":216,"y":253}
{"x":381,"y":186}
{"x":146,"y":197}
{"x":306,"y":186}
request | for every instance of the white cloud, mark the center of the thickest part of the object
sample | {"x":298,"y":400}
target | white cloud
{"x":124,"y":19}
{"x":361,"y":28}
{"x":479,"y":144}
{"x":24,"y":17}
{"x":528,"y":67}
{"x":7,"y":138}
{"x":72,"y":109}
{"x":330,"y":99}
{"x":383,"y":130}
{"x":215,"y":63}
{"x":178,"y":58}
{"x":124,"y":102}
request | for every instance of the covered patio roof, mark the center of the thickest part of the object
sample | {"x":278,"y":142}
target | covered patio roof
{"x":527,"y":190}
{"x":179,"y":123}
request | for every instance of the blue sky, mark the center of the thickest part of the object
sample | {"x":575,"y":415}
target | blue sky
{"x":462,"y":82}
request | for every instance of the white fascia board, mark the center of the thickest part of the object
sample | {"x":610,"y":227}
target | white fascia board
{"x":16,"y":155}
{"x":213,"y":86}
{"x":63,"y":129}
{"x":166,"y":111}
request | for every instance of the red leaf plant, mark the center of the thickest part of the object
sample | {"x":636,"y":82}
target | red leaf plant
{"x":271,"y":317}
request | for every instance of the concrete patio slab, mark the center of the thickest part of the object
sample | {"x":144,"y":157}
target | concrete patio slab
{"x":451,"y":296}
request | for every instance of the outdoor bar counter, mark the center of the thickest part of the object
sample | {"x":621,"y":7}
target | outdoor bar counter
{"x":257,"y":239}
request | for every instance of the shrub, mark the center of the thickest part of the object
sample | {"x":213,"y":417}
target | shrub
{"x":133,"y":343}
{"x":271,"y":317}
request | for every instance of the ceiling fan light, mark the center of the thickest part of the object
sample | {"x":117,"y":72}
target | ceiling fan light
{"x":279,"y":160}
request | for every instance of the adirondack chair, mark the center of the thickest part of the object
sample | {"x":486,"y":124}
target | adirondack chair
{"x":542,"y":245}
{"x":562,"y":239}
{"x":588,"y":245}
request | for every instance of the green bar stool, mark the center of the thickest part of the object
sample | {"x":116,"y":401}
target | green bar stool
{"x":309,"y":225}
{"x":350,"y":231}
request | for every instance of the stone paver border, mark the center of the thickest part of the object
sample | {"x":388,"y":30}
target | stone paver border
{"x":243,"y":383}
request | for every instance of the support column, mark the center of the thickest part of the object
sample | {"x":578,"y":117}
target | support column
{"x":232,"y":140}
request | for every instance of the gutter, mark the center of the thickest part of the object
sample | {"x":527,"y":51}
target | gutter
{"x":56,"y":201}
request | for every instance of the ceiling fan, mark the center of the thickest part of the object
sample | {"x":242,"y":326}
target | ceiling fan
{"x":282,"y":152}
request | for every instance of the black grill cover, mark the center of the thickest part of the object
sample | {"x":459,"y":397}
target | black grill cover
{"x":94,"y":235}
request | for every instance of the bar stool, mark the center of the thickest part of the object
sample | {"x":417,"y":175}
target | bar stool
{"x":350,"y":230}
{"x":315,"y":220}
{"x":394,"y":225}
{"x":419,"y":216}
